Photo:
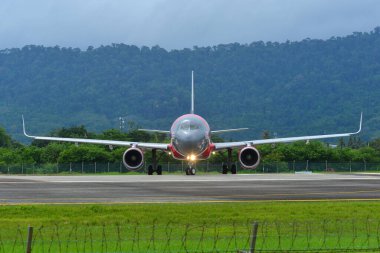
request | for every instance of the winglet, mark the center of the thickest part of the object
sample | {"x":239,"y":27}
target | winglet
{"x":23,"y":127}
{"x":360,"y":124}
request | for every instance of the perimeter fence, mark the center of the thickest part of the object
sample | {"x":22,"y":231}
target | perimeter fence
{"x":202,"y":167}
{"x":264,"y":236}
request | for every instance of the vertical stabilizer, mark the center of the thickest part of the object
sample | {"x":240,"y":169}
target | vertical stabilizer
{"x":192,"y":92}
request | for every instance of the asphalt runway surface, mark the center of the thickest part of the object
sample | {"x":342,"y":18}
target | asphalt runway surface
{"x":183,"y":189}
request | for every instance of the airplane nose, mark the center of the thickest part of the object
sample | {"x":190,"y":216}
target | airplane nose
{"x":190,"y":144}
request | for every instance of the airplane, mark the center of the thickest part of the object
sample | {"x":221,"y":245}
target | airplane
{"x":190,"y":140}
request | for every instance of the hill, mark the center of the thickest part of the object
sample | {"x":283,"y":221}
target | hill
{"x":305,"y":87}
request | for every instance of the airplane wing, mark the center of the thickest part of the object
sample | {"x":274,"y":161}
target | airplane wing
{"x":142,"y":145}
{"x":226,"y":145}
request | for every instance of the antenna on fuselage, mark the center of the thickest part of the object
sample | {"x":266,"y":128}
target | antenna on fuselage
{"x":192,"y":92}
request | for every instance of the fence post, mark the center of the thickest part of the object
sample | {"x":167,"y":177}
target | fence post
{"x":22,"y":168}
{"x":120,"y":167}
{"x":326,"y":165}
{"x":82,"y":167}
{"x":168,"y":166}
{"x":365,"y":166}
{"x":29,"y":241}
{"x":108,"y":167}
{"x":253,"y":237}
{"x":70,"y":168}
{"x":57,"y":168}
{"x":350,"y":167}
{"x":95,"y":167}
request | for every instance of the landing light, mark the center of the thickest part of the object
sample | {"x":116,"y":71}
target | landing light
{"x":191,"y":157}
{"x":213,"y":152}
{"x":170,"y":153}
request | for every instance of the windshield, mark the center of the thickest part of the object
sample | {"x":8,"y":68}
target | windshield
{"x":187,"y":125}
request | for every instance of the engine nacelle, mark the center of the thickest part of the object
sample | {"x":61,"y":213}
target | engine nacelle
{"x":249,"y":157}
{"x":133,"y":158}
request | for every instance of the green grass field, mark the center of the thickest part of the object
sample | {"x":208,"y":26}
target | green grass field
{"x":204,"y":227}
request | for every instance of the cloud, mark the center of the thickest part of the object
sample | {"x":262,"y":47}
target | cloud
{"x":179,"y":23}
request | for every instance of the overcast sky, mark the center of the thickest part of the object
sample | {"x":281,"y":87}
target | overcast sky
{"x":176,"y":24}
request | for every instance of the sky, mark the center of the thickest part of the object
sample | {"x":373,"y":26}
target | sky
{"x":177,"y":24}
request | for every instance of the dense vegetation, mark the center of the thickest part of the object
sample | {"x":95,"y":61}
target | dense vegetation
{"x":12,"y":152}
{"x":291,"y":88}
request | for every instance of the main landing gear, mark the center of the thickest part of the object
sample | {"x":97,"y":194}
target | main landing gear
{"x":229,"y":166}
{"x":154,"y":167}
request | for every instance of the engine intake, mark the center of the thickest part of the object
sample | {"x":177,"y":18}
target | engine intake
{"x":249,"y":157}
{"x":133,"y":159}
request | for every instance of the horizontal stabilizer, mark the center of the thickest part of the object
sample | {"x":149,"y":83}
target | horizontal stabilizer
{"x":155,"y":131}
{"x":228,"y":130}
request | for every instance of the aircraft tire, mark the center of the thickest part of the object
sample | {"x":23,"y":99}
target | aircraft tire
{"x":233,"y":169}
{"x":150,"y":170}
{"x":187,"y":171}
{"x":192,"y":171}
{"x":159,"y":170}
{"x":224,"y":169}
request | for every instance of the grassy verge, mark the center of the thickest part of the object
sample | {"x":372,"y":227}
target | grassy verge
{"x":191,"y":227}
{"x":14,"y":215}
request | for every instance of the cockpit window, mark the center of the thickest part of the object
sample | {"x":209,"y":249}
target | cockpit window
{"x":187,"y":125}
{"x":194,"y":127}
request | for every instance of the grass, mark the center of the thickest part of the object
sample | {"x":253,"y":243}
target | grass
{"x":189,"y":213}
{"x":205,"y":227}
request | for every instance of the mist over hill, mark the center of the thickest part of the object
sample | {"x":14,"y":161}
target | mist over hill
{"x":292,"y":88}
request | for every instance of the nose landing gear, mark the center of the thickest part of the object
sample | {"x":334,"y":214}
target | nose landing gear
{"x":190,"y":170}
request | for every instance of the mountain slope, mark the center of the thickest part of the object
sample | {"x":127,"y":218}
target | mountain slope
{"x":307,"y":87}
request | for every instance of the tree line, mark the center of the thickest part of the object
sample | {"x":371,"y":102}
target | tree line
{"x":39,"y":152}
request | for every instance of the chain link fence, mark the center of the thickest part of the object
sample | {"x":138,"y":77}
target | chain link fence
{"x":202,"y":167}
{"x":267,"y":236}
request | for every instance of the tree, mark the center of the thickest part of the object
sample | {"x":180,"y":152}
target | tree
{"x":5,"y":139}
{"x":265,"y":134}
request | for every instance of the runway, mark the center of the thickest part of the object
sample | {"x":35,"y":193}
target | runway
{"x":188,"y":189}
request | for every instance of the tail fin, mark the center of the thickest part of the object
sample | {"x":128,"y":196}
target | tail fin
{"x":192,"y":92}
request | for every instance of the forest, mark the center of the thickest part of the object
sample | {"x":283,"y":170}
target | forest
{"x":292,"y":88}
{"x":42,"y":152}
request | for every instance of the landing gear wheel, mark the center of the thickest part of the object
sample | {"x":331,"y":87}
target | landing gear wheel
{"x":190,"y":171}
{"x":150,"y":170}
{"x":224,"y":169}
{"x":233,"y":169}
{"x":159,"y":170}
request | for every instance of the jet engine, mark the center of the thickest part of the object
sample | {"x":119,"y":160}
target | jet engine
{"x":133,"y":158}
{"x":249,"y":157}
